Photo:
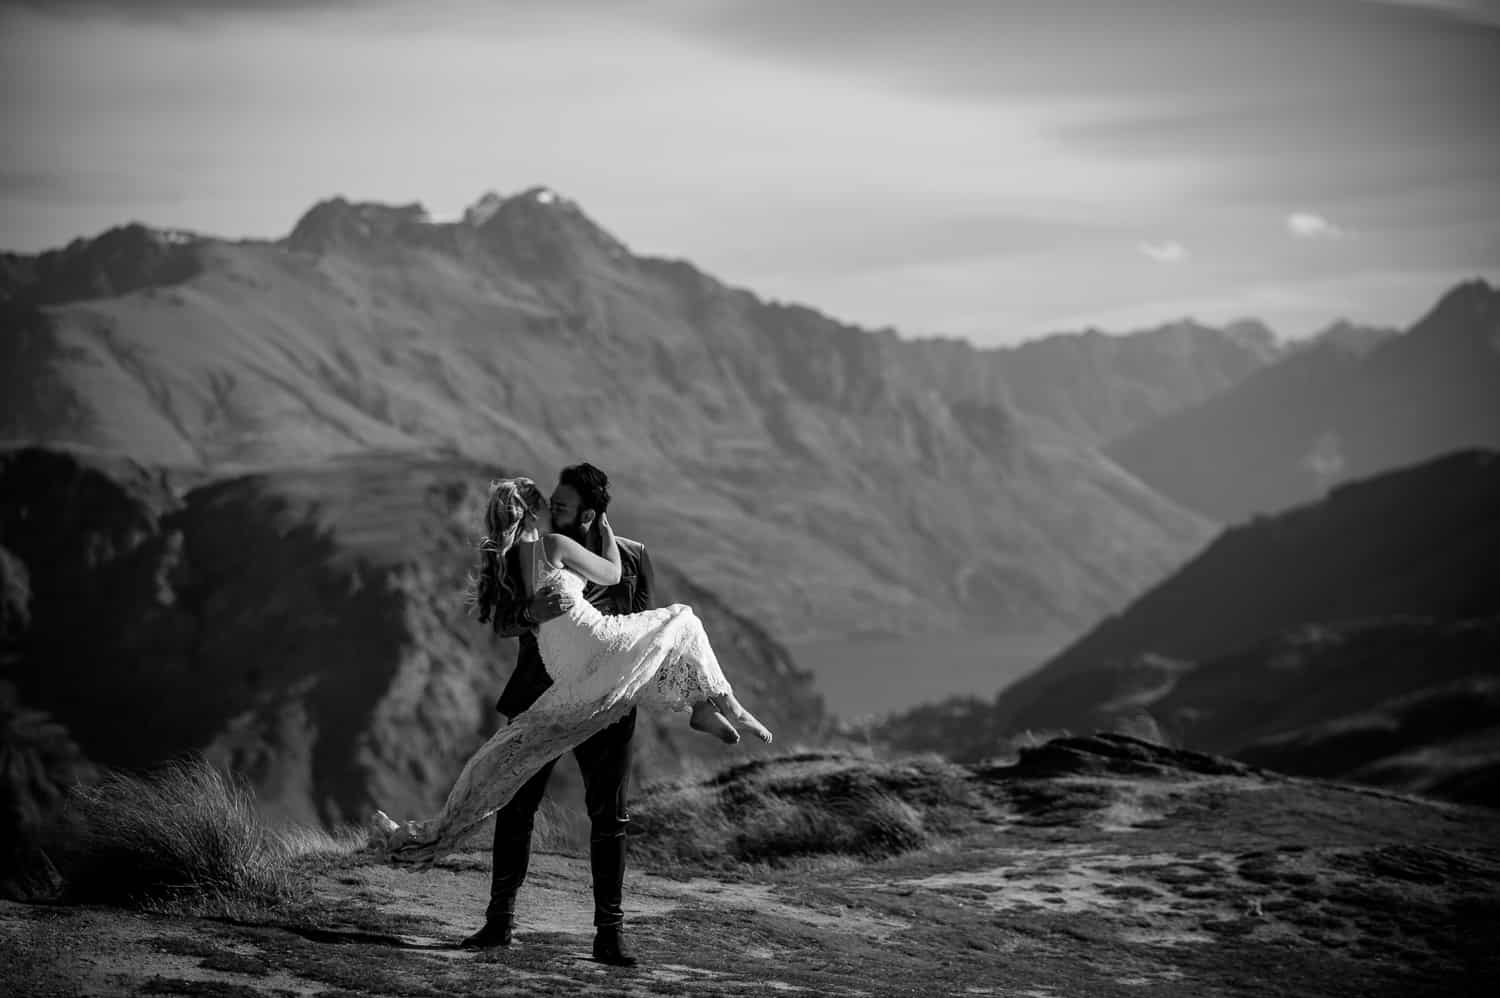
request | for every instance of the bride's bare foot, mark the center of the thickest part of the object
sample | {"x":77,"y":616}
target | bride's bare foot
{"x":708,"y":720}
{"x":409,"y":843}
{"x":384,"y":827}
{"x":729,"y":705}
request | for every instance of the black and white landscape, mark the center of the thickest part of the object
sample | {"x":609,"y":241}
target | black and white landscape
{"x":1120,"y":635}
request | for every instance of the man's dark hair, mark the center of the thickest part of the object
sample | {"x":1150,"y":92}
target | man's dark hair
{"x":591,"y":484}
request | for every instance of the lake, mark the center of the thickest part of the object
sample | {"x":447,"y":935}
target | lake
{"x":878,"y":675}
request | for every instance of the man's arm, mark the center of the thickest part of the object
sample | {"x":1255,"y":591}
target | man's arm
{"x":514,"y":617}
{"x":645,"y":585}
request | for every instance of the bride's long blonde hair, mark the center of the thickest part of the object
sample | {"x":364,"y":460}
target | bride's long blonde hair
{"x":512,"y":502}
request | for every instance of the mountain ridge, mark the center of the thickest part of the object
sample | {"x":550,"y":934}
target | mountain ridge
{"x":733,"y":425}
{"x":1332,"y":411}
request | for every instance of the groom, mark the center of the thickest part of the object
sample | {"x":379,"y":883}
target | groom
{"x":581,"y":497}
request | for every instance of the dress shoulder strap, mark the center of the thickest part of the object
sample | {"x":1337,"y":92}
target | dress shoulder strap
{"x":539,"y":555}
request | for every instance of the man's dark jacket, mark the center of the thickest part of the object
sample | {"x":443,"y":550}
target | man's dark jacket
{"x":632,"y":594}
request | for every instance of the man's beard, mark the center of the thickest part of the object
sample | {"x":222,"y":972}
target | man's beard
{"x":574,"y":530}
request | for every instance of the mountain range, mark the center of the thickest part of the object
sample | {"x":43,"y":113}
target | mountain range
{"x":1352,"y":404}
{"x":742,"y":433}
{"x":253,"y":467}
{"x":1098,"y":386}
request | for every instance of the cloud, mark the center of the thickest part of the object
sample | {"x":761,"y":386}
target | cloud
{"x":1483,"y":12}
{"x":1306,"y":225}
{"x":170,"y":9}
{"x":1259,"y":100}
{"x":1167,"y":252}
{"x":84,"y":186}
{"x":1225,"y":49}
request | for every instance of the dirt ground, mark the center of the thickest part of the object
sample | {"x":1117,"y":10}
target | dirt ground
{"x":1185,"y":885}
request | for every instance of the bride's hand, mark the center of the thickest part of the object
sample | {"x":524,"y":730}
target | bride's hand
{"x":604,"y":527}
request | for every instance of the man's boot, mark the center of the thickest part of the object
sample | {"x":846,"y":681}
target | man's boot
{"x":496,"y":931}
{"x":607,"y":857}
{"x":609,"y":947}
{"x":511,"y":859}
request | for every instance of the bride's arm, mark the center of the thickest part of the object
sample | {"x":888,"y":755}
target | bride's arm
{"x":566,"y":551}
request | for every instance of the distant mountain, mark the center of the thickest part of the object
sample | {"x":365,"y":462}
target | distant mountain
{"x":1343,"y":333}
{"x":304,"y":628}
{"x":1351,"y":405}
{"x":1291,"y":634}
{"x":1095,"y":386}
{"x":121,"y":260}
{"x":814,"y":474}
{"x":1421,"y":541}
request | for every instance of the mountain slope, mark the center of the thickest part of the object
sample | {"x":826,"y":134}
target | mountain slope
{"x":1412,"y":703}
{"x":1423,"y":540}
{"x":1288,"y":630}
{"x":773,"y":452}
{"x":1352,"y":405}
{"x":303,"y":628}
{"x":1098,"y":387}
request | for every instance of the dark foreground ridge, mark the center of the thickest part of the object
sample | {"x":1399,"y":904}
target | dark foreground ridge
{"x":1098,"y":866}
{"x":1107,"y":754}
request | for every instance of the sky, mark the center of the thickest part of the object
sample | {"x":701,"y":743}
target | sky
{"x":970,"y":168}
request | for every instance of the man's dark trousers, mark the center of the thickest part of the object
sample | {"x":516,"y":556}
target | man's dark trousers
{"x":604,"y":761}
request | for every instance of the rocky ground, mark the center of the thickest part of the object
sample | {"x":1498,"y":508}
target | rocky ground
{"x":1093,"y":867}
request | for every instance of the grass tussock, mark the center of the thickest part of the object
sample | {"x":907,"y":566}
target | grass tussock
{"x":870,"y":824}
{"x":784,"y":811}
{"x":180,"y":835}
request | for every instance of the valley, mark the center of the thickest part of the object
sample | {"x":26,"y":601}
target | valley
{"x":865,"y":676}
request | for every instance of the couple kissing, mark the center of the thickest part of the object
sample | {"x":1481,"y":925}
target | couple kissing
{"x":592,"y":649}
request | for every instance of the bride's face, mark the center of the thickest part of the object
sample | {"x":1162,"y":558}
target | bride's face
{"x":542,"y":519}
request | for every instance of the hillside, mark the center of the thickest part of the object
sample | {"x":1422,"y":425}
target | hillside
{"x":302,"y":627}
{"x":1342,"y":616}
{"x":742,"y":433}
{"x":1423,"y":540}
{"x":1100,"y":867}
{"x":1353,"y":404}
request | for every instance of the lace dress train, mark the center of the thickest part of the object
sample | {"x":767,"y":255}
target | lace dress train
{"x":601,"y":667}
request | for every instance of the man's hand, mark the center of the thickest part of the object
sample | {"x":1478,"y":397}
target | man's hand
{"x":548,"y":604}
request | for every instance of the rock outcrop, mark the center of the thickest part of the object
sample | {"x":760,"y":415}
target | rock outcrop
{"x":303,"y":628}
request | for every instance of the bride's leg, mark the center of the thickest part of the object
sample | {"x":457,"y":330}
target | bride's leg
{"x":708,"y":720}
{"x":696,"y":649}
{"x":729,"y":705}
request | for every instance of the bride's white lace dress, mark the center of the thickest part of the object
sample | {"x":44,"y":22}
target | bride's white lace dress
{"x":601,"y":665}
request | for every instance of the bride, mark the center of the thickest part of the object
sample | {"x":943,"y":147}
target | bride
{"x":601,"y":666}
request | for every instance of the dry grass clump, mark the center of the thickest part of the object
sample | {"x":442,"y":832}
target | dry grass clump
{"x":869,"y":825}
{"x":781,"y":810}
{"x":181,"y":832}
